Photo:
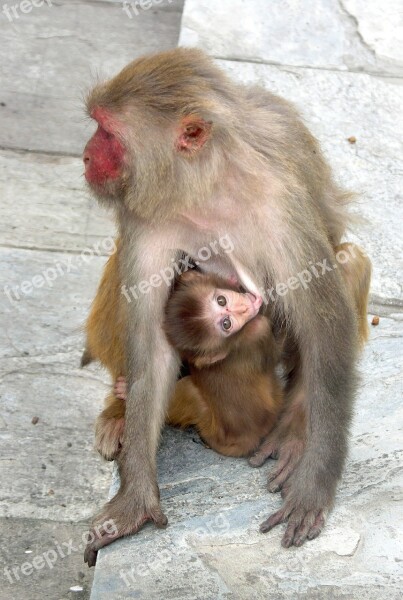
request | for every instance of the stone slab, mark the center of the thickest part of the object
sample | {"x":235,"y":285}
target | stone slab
{"x":45,"y":206}
{"x":40,"y":345}
{"x":51,"y":479}
{"x":212,"y":548}
{"x":32,"y":542}
{"x":355,"y":35}
{"x":50,"y":57}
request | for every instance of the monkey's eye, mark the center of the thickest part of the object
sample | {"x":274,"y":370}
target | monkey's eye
{"x":221,"y":300}
{"x":226,"y":323}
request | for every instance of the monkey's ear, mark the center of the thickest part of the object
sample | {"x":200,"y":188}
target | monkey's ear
{"x":193,"y":134}
{"x":190,"y":276}
{"x":205,"y":361}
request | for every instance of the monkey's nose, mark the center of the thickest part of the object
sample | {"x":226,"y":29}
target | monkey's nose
{"x":86,"y":159}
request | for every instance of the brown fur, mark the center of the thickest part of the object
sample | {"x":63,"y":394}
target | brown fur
{"x":234,"y":396}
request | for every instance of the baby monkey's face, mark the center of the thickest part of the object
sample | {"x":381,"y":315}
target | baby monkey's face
{"x":230,"y":310}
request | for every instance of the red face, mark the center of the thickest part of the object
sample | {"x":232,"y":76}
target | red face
{"x":104,"y":153}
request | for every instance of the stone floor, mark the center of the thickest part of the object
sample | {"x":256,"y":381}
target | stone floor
{"x":341,"y":62}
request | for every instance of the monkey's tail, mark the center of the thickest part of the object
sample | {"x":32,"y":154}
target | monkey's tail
{"x":86,"y":358}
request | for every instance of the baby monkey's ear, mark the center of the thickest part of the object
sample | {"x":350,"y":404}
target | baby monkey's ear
{"x":201,"y":362}
{"x":191,"y":276}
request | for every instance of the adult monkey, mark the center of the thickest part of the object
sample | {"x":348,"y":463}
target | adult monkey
{"x":184,"y":155}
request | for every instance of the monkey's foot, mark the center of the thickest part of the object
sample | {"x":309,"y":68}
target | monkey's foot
{"x":309,"y":495}
{"x":122,"y":516}
{"x":119,"y":389}
{"x":288,"y":452}
{"x":109,"y":436}
{"x":302,"y":525}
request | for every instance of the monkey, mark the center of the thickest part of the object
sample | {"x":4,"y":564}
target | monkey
{"x":233,"y":394}
{"x":184,"y":155}
{"x":233,"y":388}
{"x":105,"y":342}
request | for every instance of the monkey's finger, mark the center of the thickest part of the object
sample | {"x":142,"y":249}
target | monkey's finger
{"x":158,"y":517}
{"x":90,"y":556}
{"x":99,"y":540}
{"x":284,"y":490}
{"x":264,"y":452}
{"x":288,"y":537}
{"x":318,"y":525}
{"x":279,"y":476}
{"x":301,"y":534}
{"x":275,"y":519}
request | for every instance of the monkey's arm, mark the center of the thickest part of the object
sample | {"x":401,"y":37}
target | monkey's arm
{"x":152,"y":369}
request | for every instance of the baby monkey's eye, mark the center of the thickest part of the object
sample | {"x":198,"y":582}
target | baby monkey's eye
{"x":221,"y":300}
{"x":226,"y":324}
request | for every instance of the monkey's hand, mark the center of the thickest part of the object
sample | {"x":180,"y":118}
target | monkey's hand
{"x":124,"y":515}
{"x":305,"y":507}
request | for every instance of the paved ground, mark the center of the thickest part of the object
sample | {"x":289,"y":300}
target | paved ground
{"x":51,"y":479}
{"x":342,"y":63}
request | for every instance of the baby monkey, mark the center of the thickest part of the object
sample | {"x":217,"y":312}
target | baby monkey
{"x":233,"y":395}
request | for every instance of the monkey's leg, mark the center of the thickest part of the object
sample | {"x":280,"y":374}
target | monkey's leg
{"x":185,"y":409}
{"x":320,"y":318}
{"x":288,"y":440}
{"x":106,"y":324}
{"x":186,"y":406}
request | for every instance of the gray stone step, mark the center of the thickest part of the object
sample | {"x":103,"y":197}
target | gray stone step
{"x":51,"y":57}
{"x":354,"y":35}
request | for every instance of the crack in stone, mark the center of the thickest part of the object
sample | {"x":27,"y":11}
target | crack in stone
{"x":294,"y":68}
{"x":356,"y":24}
